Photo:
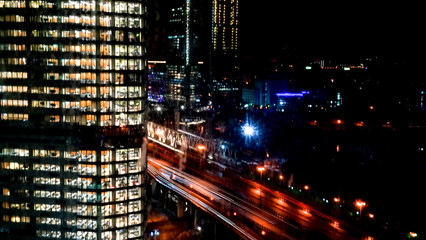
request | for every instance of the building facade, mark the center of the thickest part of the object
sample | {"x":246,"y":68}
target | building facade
{"x":188,"y":54}
{"x":225,"y":55}
{"x":72,"y":77}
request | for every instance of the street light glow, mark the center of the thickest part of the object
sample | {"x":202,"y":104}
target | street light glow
{"x":360,"y":204}
{"x":412,"y":235}
{"x":248,"y":130}
{"x":201,"y":147}
{"x":261,"y":169}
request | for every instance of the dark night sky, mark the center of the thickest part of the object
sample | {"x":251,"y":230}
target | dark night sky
{"x":346,"y":29}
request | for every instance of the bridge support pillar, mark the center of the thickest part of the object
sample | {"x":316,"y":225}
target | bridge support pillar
{"x":180,"y":207}
{"x":182,"y":159}
{"x":154,"y":187}
{"x":177,"y":119}
{"x":166,"y":199}
{"x":196,"y":217}
{"x":215,"y":228}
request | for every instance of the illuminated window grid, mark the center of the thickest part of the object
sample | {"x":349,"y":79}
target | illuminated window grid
{"x":97,"y":89}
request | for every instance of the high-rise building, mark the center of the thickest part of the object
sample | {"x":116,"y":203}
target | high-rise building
{"x":225,"y":56}
{"x":202,"y":51}
{"x":72,"y":78}
{"x":188,"y":53}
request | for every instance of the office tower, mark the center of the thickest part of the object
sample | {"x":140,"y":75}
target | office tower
{"x":72,"y":162}
{"x":225,"y":60}
{"x":188,"y":49}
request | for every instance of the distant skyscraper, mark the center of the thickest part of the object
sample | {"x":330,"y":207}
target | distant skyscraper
{"x":72,"y":162}
{"x":202,"y":51}
{"x":225,"y":27}
{"x":188,"y":50}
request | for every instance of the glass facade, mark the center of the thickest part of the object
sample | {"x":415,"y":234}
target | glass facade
{"x":72,"y":90}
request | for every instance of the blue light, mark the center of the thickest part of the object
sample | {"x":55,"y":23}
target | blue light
{"x":290,"y":94}
{"x":248,"y":130}
{"x":222,"y":146}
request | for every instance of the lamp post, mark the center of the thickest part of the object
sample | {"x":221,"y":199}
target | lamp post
{"x":261,"y":169}
{"x":360,"y":204}
{"x":202,"y":149}
{"x":281,"y":180}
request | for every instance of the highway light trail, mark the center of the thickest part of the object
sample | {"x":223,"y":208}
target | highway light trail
{"x":210,"y":189}
{"x":279,"y":217}
{"x":159,"y":176}
{"x":205,"y":190}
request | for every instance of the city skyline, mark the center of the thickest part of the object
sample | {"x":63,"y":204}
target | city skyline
{"x":358,"y":61}
{"x":304,"y":121}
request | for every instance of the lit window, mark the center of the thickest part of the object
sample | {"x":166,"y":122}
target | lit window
{"x":105,"y":21}
{"x":105,"y":35}
{"x":119,"y":36}
{"x":105,"y":6}
{"x":120,"y":7}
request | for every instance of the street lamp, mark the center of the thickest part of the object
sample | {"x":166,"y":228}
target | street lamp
{"x":412,"y":235}
{"x":360,"y":204}
{"x":260,"y":169}
{"x":201,"y":147}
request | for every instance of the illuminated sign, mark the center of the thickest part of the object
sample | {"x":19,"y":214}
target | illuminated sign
{"x":288,"y":94}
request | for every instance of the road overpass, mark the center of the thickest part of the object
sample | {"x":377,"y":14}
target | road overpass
{"x":250,"y":209}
